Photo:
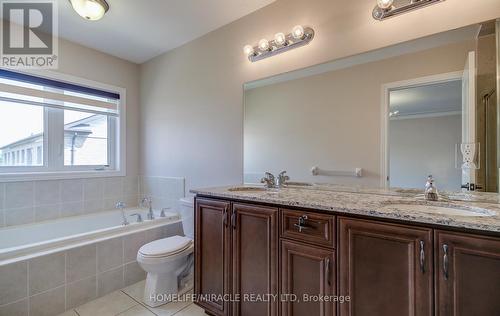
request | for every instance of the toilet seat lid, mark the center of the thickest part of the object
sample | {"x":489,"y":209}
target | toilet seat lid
{"x":166,"y":246}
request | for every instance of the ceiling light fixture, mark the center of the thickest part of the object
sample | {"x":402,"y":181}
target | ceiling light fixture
{"x":299,"y":36}
{"x":386,"y":8}
{"x":92,"y":10}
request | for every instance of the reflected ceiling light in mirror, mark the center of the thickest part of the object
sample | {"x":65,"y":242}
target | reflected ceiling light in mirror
{"x":299,"y":36}
{"x":386,"y":8}
{"x":264,"y":45}
{"x":280,"y":39}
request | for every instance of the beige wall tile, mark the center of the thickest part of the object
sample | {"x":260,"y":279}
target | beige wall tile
{"x":19,"y":194}
{"x":72,"y":190}
{"x":19,"y":308}
{"x":47,"y":192}
{"x":19,"y":216}
{"x":113,"y":187}
{"x":72,"y":209}
{"x":110,"y":281}
{"x":131,"y":244}
{"x":81,"y":292}
{"x":13,"y":282}
{"x":109,"y":254}
{"x":46,"y":272}
{"x":47,"y":212}
{"x":81,"y":263}
{"x":49,"y":303}
{"x":93,"y":189}
{"x":133,"y":273}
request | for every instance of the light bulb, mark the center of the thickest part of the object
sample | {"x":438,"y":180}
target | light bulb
{"x":298,"y":32}
{"x":90,"y":9}
{"x":384,"y":4}
{"x":263,"y":44}
{"x":280,"y":38}
{"x":248,"y":50}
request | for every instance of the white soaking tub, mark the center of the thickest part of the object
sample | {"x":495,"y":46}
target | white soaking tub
{"x":28,"y":241}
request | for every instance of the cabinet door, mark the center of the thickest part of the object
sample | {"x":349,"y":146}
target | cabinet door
{"x":212,"y":254}
{"x":386,"y":269}
{"x":467,"y":274}
{"x":255,"y":260}
{"x":307,"y":270}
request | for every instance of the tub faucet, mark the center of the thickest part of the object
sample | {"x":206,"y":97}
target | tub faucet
{"x":147,"y":201}
{"x":121,"y":206}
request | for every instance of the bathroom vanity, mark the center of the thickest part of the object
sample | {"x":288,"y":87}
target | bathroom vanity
{"x":381,"y":254}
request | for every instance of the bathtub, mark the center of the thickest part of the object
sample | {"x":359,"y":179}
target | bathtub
{"x":32,"y":240}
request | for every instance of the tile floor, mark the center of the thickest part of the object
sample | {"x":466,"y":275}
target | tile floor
{"x":128,"y":302}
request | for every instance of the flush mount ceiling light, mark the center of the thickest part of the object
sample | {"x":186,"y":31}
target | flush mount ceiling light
{"x":386,"y":8}
{"x":92,"y":10}
{"x":281,"y":43}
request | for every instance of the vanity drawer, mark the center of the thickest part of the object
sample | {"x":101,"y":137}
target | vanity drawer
{"x":310,"y":227}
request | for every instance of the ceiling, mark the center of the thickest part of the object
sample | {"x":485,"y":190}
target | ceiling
{"x":426,"y":100}
{"x":140,"y":30}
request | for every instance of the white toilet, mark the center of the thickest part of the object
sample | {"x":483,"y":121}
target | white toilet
{"x":168,"y":260}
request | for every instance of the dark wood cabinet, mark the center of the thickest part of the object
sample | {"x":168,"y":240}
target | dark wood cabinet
{"x":467,"y":274}
{"x":212,"y":255}
{"x":255,"y":259}
{"x":385,"y":269}
{"x":307,"y":270}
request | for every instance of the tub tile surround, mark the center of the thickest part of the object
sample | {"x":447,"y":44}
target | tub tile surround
{"x":35,"y":201}
{"x":54,"y":283}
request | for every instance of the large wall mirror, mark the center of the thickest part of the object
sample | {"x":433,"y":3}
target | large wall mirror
{"x":384,"y":119}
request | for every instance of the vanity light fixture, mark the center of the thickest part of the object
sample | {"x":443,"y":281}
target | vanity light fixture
{"x":299,"y":36}
{"x":92,"y":10}
{"x":386,"y":8}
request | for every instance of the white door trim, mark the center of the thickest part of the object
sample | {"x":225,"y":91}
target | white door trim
{"x":384,"y":113}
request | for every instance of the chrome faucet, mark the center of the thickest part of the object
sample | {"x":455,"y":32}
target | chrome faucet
{"x":121,"y":206}
{"x":147,"y":201}
{"x":431,"y":193}
{"x":282,"y":179}
{"x":270,"y":181}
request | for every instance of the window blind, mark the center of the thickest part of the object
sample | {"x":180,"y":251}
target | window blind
{"x":28,"y":89}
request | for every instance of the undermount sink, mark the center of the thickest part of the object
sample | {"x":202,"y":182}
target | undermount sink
{"x":442,"y":210}
{"x":250,"y":189}
{"x":298,"y":184}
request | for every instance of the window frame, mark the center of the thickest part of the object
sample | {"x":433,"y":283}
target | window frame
{"x":53,"y":137}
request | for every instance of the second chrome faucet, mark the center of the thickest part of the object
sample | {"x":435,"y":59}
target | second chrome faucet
{"x":270,"y":181}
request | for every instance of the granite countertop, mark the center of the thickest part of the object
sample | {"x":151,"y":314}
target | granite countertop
{"x":370,"y":203}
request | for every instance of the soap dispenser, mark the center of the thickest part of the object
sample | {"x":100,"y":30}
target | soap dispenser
{"x":430,"y":193}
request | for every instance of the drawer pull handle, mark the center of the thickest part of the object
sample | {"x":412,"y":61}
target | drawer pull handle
{"x":445,"y":261}
{"x":225,"y":217}
{"x":327,"y":272}
{"x":302,"y":223}
{"x":422,"y":256}
{"x":233,"y":220}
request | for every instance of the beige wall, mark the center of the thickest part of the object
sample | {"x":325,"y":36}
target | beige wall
{"x":332,"y":120}
{"x":83,"y":62}
{"x":191,"y":97}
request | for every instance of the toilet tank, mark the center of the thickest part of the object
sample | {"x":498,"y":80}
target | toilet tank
{"x":186,"y":210}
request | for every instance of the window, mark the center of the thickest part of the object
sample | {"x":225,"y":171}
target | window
{"x":55,"y":127}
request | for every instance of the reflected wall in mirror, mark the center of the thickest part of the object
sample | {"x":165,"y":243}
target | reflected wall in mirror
{"x":399,"y":113}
